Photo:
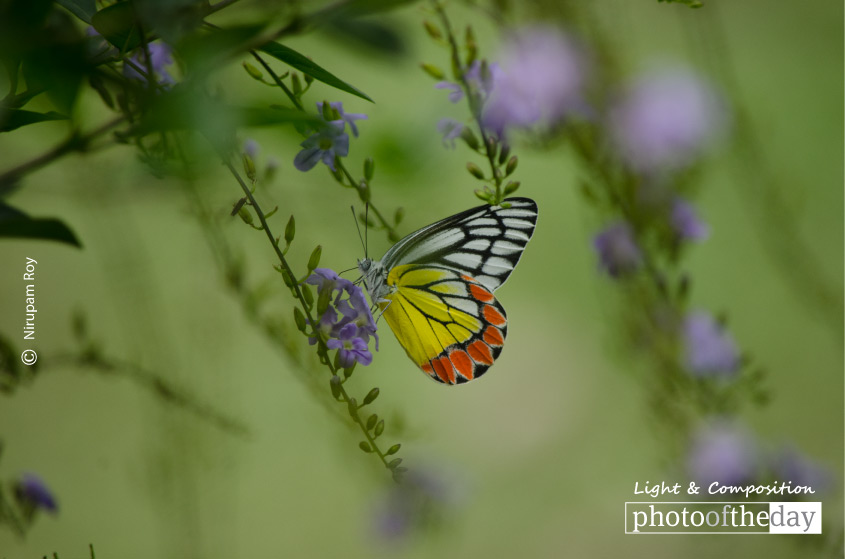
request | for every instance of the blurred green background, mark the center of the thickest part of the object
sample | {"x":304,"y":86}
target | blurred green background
{"x":541,"y":454}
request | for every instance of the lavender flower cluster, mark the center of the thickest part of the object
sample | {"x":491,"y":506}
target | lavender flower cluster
{"x":347,"y":323}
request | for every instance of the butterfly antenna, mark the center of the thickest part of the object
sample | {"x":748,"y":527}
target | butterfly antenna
{"x":355,"y":217}
{"x":366,"y":228}
{"x":349,"y":270}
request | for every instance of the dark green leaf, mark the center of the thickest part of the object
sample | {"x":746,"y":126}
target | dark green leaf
{"x":303,"y":64}
{"x":16,"y":224}
{"x":118,"y":25}
{"x":15,"y":118}
{"x":83,"y":9}
{"x":57,"y":64}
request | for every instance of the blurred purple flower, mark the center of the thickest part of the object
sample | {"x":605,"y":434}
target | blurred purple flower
{"x":686,"y":223}
{"x":709,"y":350}
{"x":418,"y":501}
{"x":348,"y":118}
{"x":790,"y":464}
{"x":541,"y":77}
{"x":617,"y":250}
{"x":30,"y":489}
{"x":251,"y":148}
{"x":722,"y":452}
{"x":450,"y":129}
{"x":477,"y":80}
{"x":665,"y":119}
{"x":324,"y":145}
{"x":351,"y":347}
{"x":160,"y":60}
{"x":456,"y":92}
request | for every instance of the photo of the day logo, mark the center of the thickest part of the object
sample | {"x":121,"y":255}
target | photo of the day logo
{"x":722,"y":517}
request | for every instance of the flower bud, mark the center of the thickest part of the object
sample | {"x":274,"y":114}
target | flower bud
{"x":394,"y":463}
{"x":432,"y":30}
{"x":299,"y":319}
{"x":314,"y":261}
{"x":244,"y":214}
{"x":371,"y":396}
{"x":475,"y":171}
{"x":393,"y":449}
{"x":433,"y":71}
{"x":511,"y":187}
{"x":334,"y":384}
{"x":365,"y":446}
{"x":290,"y":230}
{"x":371,"y":421}
{"x":254,"y":72}
{"x":511,"y":166}
{"x":296,"y":84}
{"x":323,"y":301}
{"x":399,"y":215}
{"x":379,"y":428}
{"x":468,"y":136}
{"x":369,"y":168}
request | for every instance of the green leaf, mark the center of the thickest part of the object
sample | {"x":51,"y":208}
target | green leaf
{"x":58,"y":63}
{"x":303,"y":64}
{"x":16,"y":224}
{"x":15,"y":118}
{"x":83,"y":9}
{"x":118,"y":25}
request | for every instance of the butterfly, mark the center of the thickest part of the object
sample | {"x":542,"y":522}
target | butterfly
{"x":435,"y":287}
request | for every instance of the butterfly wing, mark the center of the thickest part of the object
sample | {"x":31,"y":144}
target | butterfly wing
{"x":450,"y":325}
{"x":484,"y":243}
{"x":441,"y":308}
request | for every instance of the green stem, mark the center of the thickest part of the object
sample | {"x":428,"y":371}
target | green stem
{"x":74,"y":142}
{"x":323,"y":350}
{"x":470,"y":95}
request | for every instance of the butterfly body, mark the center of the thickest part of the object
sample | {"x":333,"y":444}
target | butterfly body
{"x":435,"y":287}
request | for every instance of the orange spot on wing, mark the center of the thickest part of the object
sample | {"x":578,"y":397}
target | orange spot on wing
{"x":439,"y":369}
{"x":450,"y":370}
{"x":480,"y":293}
{"x":493,"y":316}
{"x":480,"y":352}
{"x":468,"y":278}
{"x":493,"y":336}
{"x":463,"y":363}
{"x":428,"y":369}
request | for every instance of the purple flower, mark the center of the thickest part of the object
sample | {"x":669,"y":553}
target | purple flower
{"x":450,"y":129}
{"x":617,"y":250}
{"x":326,"y":278}
{"x":351,"y":347}
{"x":160,"y":60}
{"x":665,"y":119}
{"x":348,"y":118}
{"x":350,"y":335}
{"x":790,"y":464}
{"x":722,"y":452}
{"x":686,"y":223}
{"x":456,"y":92}
{"x":250,"y":148}
{"x":709,"y":350}
{"x":482,"y":84}
{"x":31,"y":490}
{"x":324,"y":145}
{"x":541,"y":77}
